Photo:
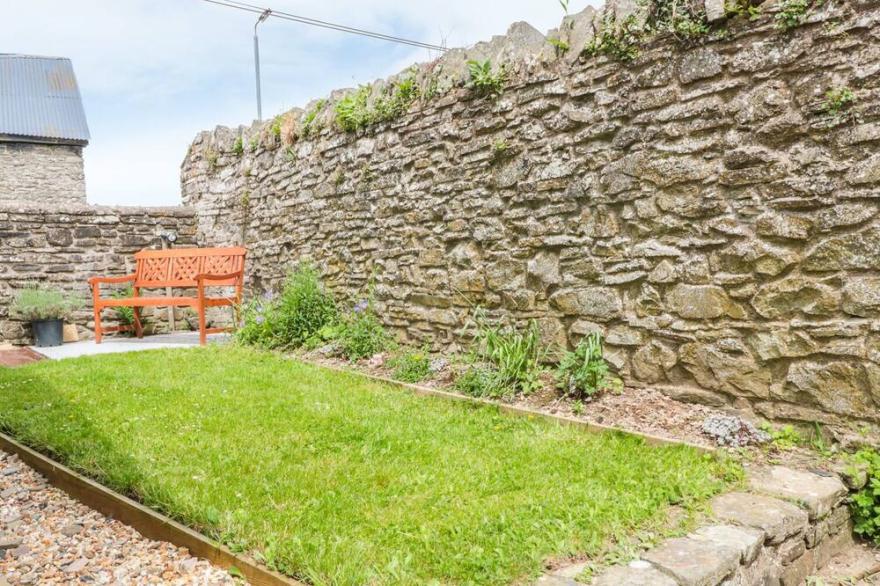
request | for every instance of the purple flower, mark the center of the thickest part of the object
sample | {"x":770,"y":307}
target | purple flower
{"x":361,"y":306}
{"x":268,"y":295}
{"x":259,"y":319}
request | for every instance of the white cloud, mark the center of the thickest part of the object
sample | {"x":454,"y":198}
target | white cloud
{"x":155,"y":72}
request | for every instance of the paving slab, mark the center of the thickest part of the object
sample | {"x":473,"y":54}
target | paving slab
{"x":695,"y":562}
{"x":816,"y":493}
{"x":114,"y":345}
{"x":776,"y":518}
{"x":638,"y":573}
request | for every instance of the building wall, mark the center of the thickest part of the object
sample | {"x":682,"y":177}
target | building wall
{"x":700,"y":206}
{"x":41,"y":173}
{"x":63,"y":245}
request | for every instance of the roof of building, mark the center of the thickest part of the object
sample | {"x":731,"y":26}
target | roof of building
{"x":40,"y":101}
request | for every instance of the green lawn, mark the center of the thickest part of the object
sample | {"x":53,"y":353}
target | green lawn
{"x":335,"y":479}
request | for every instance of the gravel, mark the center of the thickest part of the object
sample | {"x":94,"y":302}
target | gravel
{"x":733,"y":431}
{"x":47,"y":538}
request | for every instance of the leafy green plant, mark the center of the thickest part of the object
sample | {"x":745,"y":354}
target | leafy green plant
{"x":211,"y":159}
{"x":865,"y":504}
{"x":309,"y":124}
{"x":480,"y":380}
{"x":562,"y":47}
{"x":485,"y":80}
{"x":782,"y":438}
{"x":124,"y":315}
{"x":516,"y":355}
{"x":680,"y":18}
{"x":289,"y":319}
{"x":39,"y":302}
{"x":255,"y":142}
{"x":238,"y":146}
{"x":742,"y":8}
{"x":412,"y":366}
{"x":584,"y":372}
{"x":838,"y":101}
{"x":275,"y":129}
{"x":792,"y":14}
{"x":351,"y":110}
{"x":362,"y":334}
{"x":500,"y":151}
{"x":618,"y":42}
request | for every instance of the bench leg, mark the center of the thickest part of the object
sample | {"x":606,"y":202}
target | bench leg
{"x":203,"y":335}
{"x":138,"y":328}
{"x":98,"y":331}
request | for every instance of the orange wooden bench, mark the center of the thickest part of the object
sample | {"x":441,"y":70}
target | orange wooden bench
{"x":177,"y":267}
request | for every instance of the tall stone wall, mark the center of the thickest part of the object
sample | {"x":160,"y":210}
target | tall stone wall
{"x":41,"y":173}
{"x":62,"y":246}
{"x":704,"y":207}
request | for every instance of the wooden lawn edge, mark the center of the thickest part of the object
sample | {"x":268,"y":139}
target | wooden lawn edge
{"x":149,"y":523}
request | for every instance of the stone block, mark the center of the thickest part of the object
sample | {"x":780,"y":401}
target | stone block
{"x":638,"y":573}
{"x":696,"y":562}
{"x":747,"y":540}
{"x":817,"y":494}
{"x":777,"y":519}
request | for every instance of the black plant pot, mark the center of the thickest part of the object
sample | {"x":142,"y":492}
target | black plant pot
{"x":48,"y":332}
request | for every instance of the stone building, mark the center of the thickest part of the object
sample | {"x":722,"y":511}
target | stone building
{"x":42,"y":131}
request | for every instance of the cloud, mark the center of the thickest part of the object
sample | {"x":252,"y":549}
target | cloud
{"x":155,"y":72}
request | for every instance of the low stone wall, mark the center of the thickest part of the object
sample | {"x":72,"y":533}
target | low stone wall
{"x":48,"y":174}
{"x":788,"y":527}
{"x":702,"y":206}
{"x":64,"y":245}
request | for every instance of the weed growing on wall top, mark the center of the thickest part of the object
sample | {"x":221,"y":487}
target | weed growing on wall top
{"x":681,"y":18}
{"x":309,"y":124}
{"x":485,"y":80}
{"x":792,"y":14}
{"x":238,"y":146}
{"x":618,"y":42}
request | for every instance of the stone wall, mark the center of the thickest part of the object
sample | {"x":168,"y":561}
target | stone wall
{"x":65,"y":245}
{"x":702,"y":206}
{"x":41,"y":173}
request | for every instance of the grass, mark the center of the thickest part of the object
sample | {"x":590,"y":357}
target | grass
{"x":336,"y":479}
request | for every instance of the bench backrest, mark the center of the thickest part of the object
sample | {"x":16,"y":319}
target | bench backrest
{"x":178,"y":267}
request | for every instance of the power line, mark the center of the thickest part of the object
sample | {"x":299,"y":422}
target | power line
{"x":323,"y":24}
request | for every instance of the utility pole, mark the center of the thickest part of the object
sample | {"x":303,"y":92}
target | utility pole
{"x":265,"y":14}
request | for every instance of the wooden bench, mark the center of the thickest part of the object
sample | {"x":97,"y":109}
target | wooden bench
{"x":178,"y":267}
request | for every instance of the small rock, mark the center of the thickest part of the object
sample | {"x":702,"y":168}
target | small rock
{"x":71,"y":530}
{"x":9,"y":470}
{"x":76,"y":566}
{"x":8,"y":542}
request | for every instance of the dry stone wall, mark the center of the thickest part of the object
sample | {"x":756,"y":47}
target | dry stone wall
{"x":703,"y":206}
{"x":62,"y":246}
{"x":48,"y":174}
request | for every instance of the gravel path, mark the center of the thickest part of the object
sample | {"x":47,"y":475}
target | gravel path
{"x":47,"y":538}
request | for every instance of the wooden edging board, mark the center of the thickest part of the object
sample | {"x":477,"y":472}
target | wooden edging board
{"x":147,"y":521}
{"x":512,"y":409}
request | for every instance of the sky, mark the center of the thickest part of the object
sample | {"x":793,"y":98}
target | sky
{"x":153,"y":73}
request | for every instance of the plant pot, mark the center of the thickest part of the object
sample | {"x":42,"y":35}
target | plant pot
{"x":48,"y":332}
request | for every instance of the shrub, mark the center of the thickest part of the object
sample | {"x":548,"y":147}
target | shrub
{"x":37,"y":302}
{"x":515,"y":355}
{"x":411,"y":367}
{"x":680,"y":18}
{"x":238,"y":146}
{"x":865,"y":504}
{"x":351,"y":110}
{"x":362,"y":334}
{"x":288,"y":320}
{"x":484,"y":80}
{"x":584,"y":372}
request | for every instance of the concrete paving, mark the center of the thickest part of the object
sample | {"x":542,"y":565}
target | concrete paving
{"x":114,"y":345}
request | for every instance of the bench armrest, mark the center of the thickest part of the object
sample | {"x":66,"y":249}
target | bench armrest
{"x":215,"y":277}
{"x":96,"y":280}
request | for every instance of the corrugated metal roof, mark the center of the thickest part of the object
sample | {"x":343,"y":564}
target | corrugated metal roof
{"x":39,"y":99}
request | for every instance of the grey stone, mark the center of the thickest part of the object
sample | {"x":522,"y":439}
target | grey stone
{"x":698,"y":64}
{"x":777,"y":519}
{"x":71,"y":529}
{"x":699,"y":301}
{"x":818,"y":494}
{"x":695,"y":562}
{"x":861,"y":296}
{"x":794,"y":295}
{"x":840,"y":387}
{"x":635,"y":574}
{"x":715,"y":11}
{"x":747,"y":540}
{"x":8,"y":542}
{"x":601,"y":303}
{"x":865,"y":172}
